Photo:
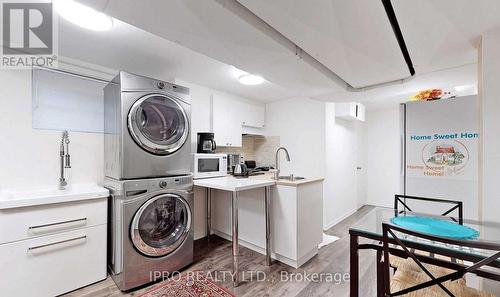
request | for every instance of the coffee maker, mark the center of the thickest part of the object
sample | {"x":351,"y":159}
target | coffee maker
{"x":206,"y":143}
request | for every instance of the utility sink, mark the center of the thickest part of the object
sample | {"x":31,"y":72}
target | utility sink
{"x":40,"y":196}
{"x":290,"y":177}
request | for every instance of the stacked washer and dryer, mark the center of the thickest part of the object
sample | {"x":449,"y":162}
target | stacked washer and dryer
{"x":147,"y":167}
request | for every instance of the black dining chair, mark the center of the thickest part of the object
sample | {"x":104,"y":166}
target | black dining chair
{"x":423,"y":275}
{"x":403,"y":204}
{"x":433,"y":206}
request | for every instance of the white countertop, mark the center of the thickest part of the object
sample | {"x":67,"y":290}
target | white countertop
{"x":32,"y":197}
{"x":231,"y":183}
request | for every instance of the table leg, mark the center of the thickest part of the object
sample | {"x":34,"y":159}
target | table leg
{"x":236,"y":264}
{"x":354,"y":259}
{"x":209,"y":212}
{"x":380,"y":275}
{"x":268,"y":225}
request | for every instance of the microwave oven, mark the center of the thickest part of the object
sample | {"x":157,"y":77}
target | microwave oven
{"x":209,"y":165}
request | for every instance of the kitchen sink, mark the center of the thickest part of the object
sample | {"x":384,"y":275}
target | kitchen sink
{"x":290,"y":177}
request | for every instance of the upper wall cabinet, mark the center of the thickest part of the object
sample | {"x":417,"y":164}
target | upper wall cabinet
{"x":350,"y":111}
{"x":231,"y":118}
{"x":226,"y":121}
{"x":252,"y":115}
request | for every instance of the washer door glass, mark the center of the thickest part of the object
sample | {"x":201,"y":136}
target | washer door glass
{"x":161,"y":225}
{"x":158,"y":124}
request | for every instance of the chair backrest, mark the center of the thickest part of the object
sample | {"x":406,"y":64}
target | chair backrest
{"x":404,"y":203}
{"x":405,"y":243}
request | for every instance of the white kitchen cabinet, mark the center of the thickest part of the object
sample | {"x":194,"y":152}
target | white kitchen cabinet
{"x":55,"y":248}
{"x":252,"y":115}
{"x":350,"y":111}
{"x":297,"y":222}
{"x":228,"y":116}
{"x":226,"y":121}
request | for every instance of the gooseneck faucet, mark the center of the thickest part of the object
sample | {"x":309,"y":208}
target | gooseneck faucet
{"x":277,"y":172}
{"x":65,"y":158}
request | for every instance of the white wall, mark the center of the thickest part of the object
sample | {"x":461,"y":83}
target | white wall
{"x":300,"y":124}
{"x":490,"y":124}
{"x":31,"y":157}
{"x":319,"y":145}
{"x":383,"y":155}
{"x":340,"y":195}
{"x":489,"y":147}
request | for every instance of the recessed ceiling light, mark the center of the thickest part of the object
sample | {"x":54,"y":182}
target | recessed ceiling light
{"x":237,"y":72}
{"x":251,"y":80}
{"x":246,"y":78}
{"x":83,"y":16}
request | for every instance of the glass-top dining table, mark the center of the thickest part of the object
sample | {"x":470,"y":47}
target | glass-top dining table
{"x":369,"y":228}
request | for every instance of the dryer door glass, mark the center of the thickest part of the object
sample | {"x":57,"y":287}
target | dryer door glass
{"x":161,"y":225}
{"x":158,"y":124}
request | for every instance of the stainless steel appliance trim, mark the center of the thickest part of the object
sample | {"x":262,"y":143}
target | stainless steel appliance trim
{"x":145,"y":143}
{"x":55,"y":224}
{"x":159,"y":252}
{"x":57,"y":242}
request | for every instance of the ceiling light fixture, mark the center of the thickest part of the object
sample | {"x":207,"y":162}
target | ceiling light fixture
{"x":246,"y":78}
{"x":250,"y":79}
{"x":83,"y":16}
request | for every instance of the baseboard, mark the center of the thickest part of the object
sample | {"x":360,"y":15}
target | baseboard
{"x":308,"y":256}
{"x":261,"y":250}
{"x":335,"y":222}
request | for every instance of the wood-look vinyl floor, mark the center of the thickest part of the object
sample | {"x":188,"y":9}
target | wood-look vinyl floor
{"x":216,"y":257}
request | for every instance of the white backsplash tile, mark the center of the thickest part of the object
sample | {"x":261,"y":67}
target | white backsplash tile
{"x":255,"y":147}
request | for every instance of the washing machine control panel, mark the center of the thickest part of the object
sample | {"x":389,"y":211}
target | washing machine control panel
{"x":172,"y":182}
{"x":160,"y":85}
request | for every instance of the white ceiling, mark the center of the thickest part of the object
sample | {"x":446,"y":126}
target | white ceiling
{"x":352,"y":38}
{"x":197,"y":41}
{"x":128,"y":48}
{"x":383,"y":97}
{"x":445,"y":33}
{"x":210,"y":29}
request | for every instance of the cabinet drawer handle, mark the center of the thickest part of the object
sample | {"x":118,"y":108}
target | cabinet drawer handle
{"x":57,"y":242}
{"x":55,"y":224}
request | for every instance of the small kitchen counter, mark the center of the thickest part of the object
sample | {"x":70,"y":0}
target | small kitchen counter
{"x":298,"y":182}
{"x":231,"y":183}
{"x":296,"y":215}
{"x":234,"y":185}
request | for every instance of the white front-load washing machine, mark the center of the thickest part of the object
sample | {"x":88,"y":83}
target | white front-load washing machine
{"x":146,"y":128}
{"x":150,"y":230}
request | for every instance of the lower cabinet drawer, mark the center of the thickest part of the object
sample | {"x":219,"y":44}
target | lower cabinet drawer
{"x":53,"y":264}
{"x":35,"y":221}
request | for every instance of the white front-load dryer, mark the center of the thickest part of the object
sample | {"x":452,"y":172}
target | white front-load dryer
{"x":150,"y":229}
{"x":147,"y":128}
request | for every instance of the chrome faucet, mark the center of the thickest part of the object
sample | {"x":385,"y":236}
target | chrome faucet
{"x":277,"y":172}
{"x":65,"y":158}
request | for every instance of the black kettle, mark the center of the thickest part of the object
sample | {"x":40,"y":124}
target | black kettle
{"x":240,"y":170}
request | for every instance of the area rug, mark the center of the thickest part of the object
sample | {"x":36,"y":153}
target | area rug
{"x":186,"y":286}
{"x":327,"y":239}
